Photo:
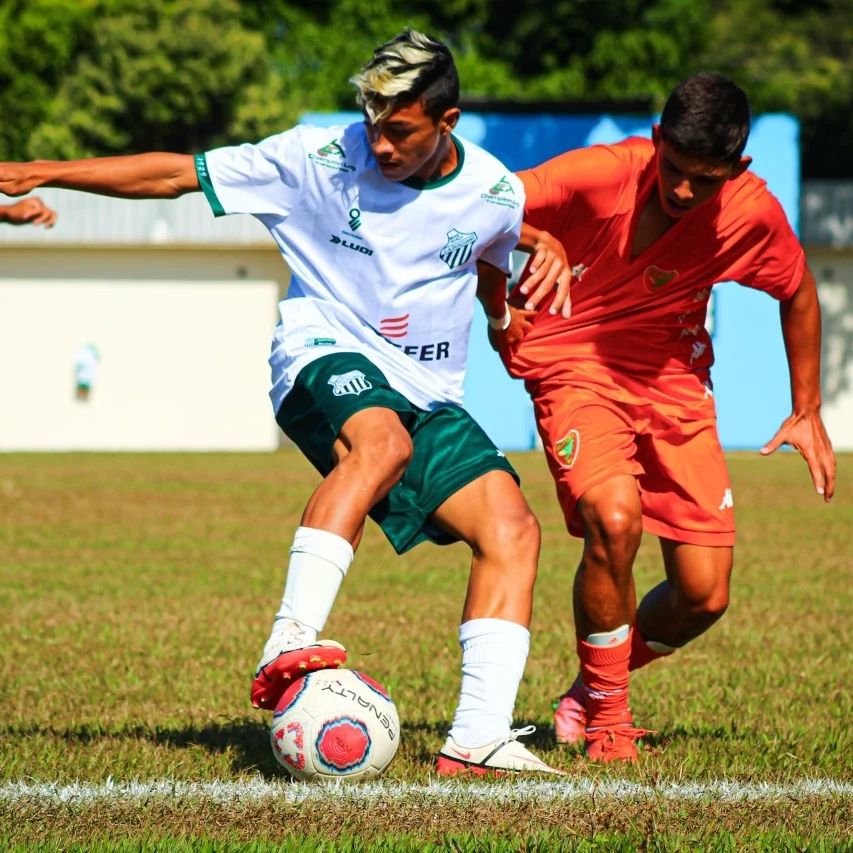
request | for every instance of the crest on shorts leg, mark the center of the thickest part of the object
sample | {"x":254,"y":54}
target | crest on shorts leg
{"x":568,"y":447}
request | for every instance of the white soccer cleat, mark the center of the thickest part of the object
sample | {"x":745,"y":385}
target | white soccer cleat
{"x":292,"y":651}
{"x":501,"y":756}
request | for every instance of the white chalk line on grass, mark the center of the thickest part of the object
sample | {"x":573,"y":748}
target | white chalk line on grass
{"x":259,"y":790}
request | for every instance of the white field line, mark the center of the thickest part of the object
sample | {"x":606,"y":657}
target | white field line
{"x":259,"y":790}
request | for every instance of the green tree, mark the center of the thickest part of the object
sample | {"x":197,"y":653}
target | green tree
{"x":39,"y":40}
{"x":155,"y":75}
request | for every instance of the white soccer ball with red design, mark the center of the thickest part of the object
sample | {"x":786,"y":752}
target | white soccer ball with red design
{"x":335,"y":724}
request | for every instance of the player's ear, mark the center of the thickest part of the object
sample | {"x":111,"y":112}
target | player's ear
{"x":449,"y":119}
{"x":741,"y":167}
{"x":656,"y":134}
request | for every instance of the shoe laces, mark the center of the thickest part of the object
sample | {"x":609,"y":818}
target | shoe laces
{"x":608,"y":736}
{"x":515,"y":734}
{"x":289,"y":632}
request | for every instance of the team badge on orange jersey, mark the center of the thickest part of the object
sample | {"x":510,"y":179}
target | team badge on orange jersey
{"x":568,"y":447}
{"x":655,"y":278}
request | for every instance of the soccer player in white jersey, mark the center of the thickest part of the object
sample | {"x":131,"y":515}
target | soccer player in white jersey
{"x":383,"y":225}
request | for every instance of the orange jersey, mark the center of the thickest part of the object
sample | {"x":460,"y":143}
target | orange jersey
{"x":638,"y":324}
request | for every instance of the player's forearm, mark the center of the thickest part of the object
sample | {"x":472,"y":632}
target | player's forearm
{"x":801,"y":330}
{"x":155,"y":175}
{"x":491,"y":290}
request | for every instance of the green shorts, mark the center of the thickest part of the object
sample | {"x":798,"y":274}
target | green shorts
{"x":450,"y":448}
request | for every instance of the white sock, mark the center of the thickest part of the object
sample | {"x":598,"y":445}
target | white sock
{"x":319,"y":561}
{"x":494,"y":652}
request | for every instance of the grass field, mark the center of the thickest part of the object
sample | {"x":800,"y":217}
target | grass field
{"x":136,"y":592}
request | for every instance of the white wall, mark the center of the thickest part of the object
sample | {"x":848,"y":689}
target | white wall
{"x":183,"y":359}
{"x":834,"y":273}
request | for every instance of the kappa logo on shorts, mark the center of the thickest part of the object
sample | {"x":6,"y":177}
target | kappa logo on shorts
{"x":728,"y":502}
{"x":353,"y":382}
{"x":568,"y":448}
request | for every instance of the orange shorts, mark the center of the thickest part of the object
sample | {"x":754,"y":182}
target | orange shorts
{"x":678,"y":463}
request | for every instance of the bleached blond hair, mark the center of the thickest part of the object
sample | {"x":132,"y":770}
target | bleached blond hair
{"x":410,"y":67}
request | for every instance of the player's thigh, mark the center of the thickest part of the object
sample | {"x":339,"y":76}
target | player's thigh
{"x":491,"y":515}
{"x":588,"y":440}
{"x":685,"y":487}
{"x":450,"y":450}
{"x":335,"y":399}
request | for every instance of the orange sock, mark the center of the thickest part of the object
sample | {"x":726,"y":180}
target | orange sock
{"x":642,"y":653}
{"x":604,"y":672}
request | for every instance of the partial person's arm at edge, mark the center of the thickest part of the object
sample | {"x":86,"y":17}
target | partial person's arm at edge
{"x":549,"y":270}
{"x":507,"y":324}
{"x":155,"y":175}
{"x":804,"y":428}
{"x":28,"y":211}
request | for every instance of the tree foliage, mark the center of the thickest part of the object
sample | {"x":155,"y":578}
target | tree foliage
{"x":84,"y":77}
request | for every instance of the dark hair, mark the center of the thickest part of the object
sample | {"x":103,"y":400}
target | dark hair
{"x":411,"y":67}
{"x":707,"y":116}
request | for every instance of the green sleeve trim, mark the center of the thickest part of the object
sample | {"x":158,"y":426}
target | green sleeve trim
{"x":207,"y":185}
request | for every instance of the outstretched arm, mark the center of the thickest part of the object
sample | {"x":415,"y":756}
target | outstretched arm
{"x":156,"y":175}
{"x":803,"y":429}
{"x":29,"y":211}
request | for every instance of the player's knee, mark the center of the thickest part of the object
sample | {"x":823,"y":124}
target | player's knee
{"x":386,"y":455}
{"x":522,"y":533}
{"x":513,"y":539}
{"x":615,"y":529}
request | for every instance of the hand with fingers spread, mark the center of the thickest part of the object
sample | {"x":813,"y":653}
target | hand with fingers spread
{"x":807,"y":435}
{"x":28,"y":211}
{"x":549,"y":270}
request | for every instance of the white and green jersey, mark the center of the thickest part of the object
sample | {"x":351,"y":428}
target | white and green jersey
{"x":379,"y":267}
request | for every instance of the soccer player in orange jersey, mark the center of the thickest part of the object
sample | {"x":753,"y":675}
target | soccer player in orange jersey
{"x":622,"y":388}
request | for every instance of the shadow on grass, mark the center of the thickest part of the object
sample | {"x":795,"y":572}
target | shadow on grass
{"x":248,"y":740}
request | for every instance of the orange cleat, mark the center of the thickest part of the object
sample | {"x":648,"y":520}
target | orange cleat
{"x":273,"y":677}
{"x":618,"y":743}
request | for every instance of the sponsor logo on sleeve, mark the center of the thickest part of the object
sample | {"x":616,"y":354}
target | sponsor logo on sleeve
{"x":332,"y":156}
{"x":459,"y":248}
{"x":501,"y":193}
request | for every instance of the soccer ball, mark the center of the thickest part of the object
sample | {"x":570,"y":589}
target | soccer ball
{"x":335,"y":724}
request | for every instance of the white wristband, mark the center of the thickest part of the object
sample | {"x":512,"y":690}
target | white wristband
{"x":500,"y":323}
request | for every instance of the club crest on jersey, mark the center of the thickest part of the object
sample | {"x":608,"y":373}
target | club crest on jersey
{"x":352,"y":382}
{"x":459,"y":248}
{"x":568,"y":447}
{"x":654,"y":278}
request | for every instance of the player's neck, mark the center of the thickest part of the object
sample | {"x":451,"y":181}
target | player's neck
{"x":442,"y":162}
{"x":652,"y":224}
